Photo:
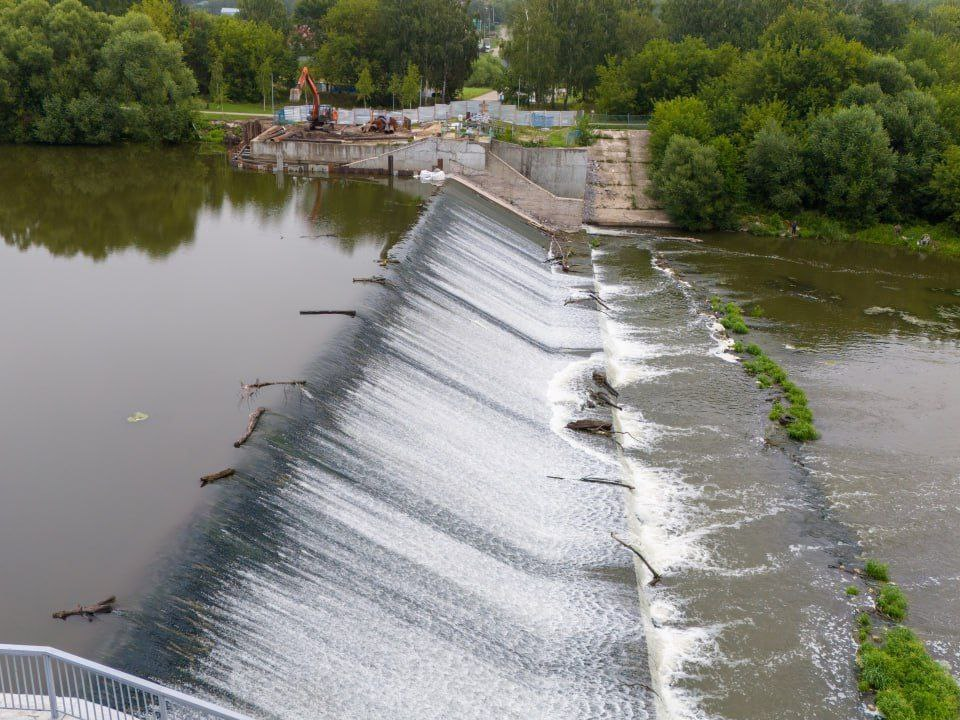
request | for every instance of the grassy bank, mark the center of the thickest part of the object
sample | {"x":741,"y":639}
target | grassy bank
{"x":894,"y":665}
{"x":945,"y":240}
{"x":469,"y":93}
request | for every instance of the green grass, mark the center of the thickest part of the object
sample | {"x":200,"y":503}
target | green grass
{"x":892,"y":602}
{"x":232,"y":108}
{"x":945,"y":239}
{"x":799,"y":418}
{"x":910,"y":685}
{"x":876,"y":570}
{"x":852,"y":590}
{"x":730,"y":315}
{"x":469,"y":93}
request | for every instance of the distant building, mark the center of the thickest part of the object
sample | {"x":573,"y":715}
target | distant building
{"x":229,"y":11}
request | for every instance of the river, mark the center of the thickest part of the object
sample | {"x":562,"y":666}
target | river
{"x":395,"y":545}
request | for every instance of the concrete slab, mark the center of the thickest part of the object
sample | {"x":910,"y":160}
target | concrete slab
{"x":618,"y":183}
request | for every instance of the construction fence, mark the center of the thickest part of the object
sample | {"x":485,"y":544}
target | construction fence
{"x":458,"y":110}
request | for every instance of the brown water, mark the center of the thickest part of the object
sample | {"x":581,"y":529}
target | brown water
{"x":153,"y":281}
{"x":752,"y":623}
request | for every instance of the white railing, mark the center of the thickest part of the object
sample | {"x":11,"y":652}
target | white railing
{"x":47,"y":680}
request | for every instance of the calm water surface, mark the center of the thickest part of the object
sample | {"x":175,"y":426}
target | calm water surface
{"x":152,"y":281}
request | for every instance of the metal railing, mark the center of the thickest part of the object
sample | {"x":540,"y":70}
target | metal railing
{"x":47,"y":680}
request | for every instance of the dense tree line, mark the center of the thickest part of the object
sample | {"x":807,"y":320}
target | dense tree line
{"x":850,"y":111}
{"x":70,"y":74}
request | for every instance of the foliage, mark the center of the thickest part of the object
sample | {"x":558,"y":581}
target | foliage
{"x":268,"y":12}
{"x":774,"y":169}
{"x":686,"y":116}
{"x":243,"y":48}
{"x":486,"y":72}
{"x":850,"y":163}
{"x":692,"y":182}
{"x":737,"y":22}
{"x":852,"y":590}
{"x":910,"y":684}
{"x":946,"y":184}
{"x":410,"y":85}
{"x":365,"y":86}
{"x":892,"y":602}
{"x":876,"y":570}
{"x":73,"y":75}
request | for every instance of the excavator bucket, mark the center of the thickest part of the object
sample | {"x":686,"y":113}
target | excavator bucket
{"x":295,"y":94}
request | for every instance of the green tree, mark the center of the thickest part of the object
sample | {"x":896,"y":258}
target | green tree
{"x":680,"y":116}
{"x":487,"y":72}
{"x":218,"y":86}
{"x":739,"y":22}
{"x":265,"y":81}
{"x":269,"y":12}
{"x":849,"y":164}
{"x":774,"y":169}
{"x":365,"y":86}
{"x":410,"y":86}
{"x":243,"y":47}
{"x":308,"y":16}
{"x":694,"y":183}
{"x":946,"y":184}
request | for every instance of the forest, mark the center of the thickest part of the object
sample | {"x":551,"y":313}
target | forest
{"x":109,"y":71}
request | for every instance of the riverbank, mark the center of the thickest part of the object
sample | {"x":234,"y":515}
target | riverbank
{"x":944,"y":240}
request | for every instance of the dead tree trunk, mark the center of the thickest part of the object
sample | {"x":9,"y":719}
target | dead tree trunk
{"x":251,"y":426}
{"x":589,"y":425}
{"x":600,"y":378}
{"x":207,"y":479}
{"x":600,"y":481}
{"x":656,"y":576}
{"x":348,"y":313}
{"x":88,"y":611}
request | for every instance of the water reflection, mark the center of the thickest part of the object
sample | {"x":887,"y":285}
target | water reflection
{"x":98,"y":201}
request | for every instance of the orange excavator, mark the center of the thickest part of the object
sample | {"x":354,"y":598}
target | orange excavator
{"x":321,"y":116}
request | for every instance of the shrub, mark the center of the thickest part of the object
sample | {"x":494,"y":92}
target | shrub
{"x":876,"y":570}
{"x":892,"y":602}
{"x":850,"y":166}
{"x":774,"y":169}
{"x":694,"y":186}
{"x":946,"y":184}
{"x":680,"y":116}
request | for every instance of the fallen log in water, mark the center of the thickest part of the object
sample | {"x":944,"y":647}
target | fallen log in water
{"x":88,"y":611}
{"x":248,"y":390}
{"x":207,"y":479}
{"x":600,"y":481}
{"x":590,"y":425}
{"x":600,"y":378}
{"x":251,"y":426}
{"x":379,"y":279}
{"x":603,"y":399}
{"x":348,"y":313}
{"x":632,"y":548}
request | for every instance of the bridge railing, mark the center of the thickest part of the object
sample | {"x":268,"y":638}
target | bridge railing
{"x":48,"y":680}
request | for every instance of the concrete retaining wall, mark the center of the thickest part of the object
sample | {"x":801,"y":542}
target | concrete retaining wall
{"x":320,"y":153}
{"x":561,"y":171}
{"x":425,"y":154}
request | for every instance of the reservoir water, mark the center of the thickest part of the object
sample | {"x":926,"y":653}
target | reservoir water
{"x":394,"y":545}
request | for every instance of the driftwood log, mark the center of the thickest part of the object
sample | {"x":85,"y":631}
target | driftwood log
{"x":600,"y":378}
{"x":601,"y":398}
{"x":379,"y":279}
{"x":248,"y":390}
{"x":88,"y":611}
{"x":632,"y":548}
{"x":600,"y":481}
{"x":251,"y":426}
{"x":213,"y":477}
{"x":592,"y":426}
{"x":348,"y":313}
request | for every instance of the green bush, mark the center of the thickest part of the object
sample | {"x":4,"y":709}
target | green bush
{"x":876,"y":570}
{"x":892,"y":602}
{"x":774,"y":169}
{"x":946,"y":184}
{"x":852,"y":590}
{"x":680,"y":116}
{"x":909,"y":683}
{"x":487,"y":72}
{"x":694,"y":185}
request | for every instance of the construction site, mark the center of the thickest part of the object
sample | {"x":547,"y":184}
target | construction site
{"x":553,"y":188}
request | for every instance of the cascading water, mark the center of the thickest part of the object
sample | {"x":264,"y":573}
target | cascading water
{"x":403,"y":553}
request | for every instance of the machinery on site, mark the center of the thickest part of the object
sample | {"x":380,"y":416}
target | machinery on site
{"x":322,"y":117}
